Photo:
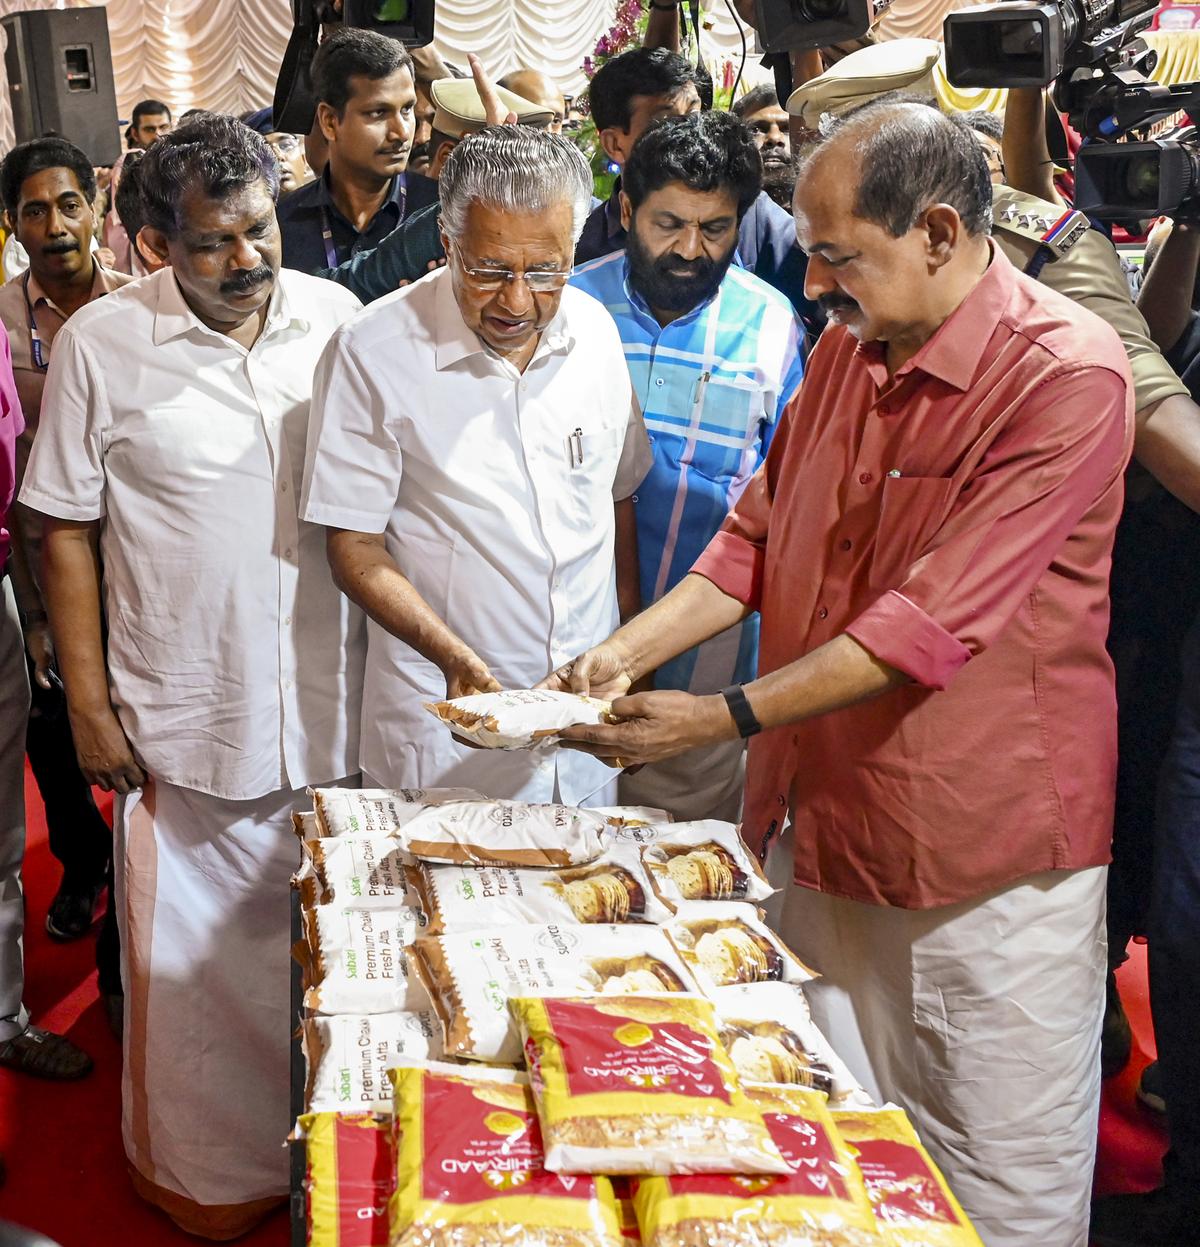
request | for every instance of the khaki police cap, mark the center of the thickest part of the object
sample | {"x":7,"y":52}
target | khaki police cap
{"x":894,"y":65}
{"x":459,"y":110}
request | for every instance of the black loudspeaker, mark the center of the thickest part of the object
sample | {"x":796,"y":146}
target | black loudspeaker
{"x":60,"y":79}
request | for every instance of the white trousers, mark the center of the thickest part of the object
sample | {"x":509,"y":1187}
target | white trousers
{"x":702,"y":783}
{"x":983,"y":1020}
{"x":203,"y":904}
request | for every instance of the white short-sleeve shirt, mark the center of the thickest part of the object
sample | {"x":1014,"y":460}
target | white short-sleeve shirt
{"x":495,"y":490}
{"x":235,"y":664}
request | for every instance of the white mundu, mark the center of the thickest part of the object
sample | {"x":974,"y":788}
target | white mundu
{"x":235,"y":668}
{"x":495,"y":489}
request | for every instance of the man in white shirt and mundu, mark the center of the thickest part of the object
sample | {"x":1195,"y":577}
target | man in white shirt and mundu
{"x":473,"y":451}
{"x":234,"y":666}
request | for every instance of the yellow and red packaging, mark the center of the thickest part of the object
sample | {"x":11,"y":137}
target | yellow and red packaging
{"x":350,"y":1174}
{"x":626,"y":1213}
{"x":911,"y":1200}
{"x":470,"y":1167}
{"x":822,"y":1199}
{"x":639,"y":1084}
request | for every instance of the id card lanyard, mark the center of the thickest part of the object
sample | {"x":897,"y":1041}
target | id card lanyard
{"x":331,"y":259}
{"x":35,"y":339}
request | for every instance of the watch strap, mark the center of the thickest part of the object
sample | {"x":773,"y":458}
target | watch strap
{"x":739,"y":707}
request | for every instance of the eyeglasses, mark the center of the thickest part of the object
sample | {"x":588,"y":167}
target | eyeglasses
{"x":285,"y":144}
{"x":539,"y":281}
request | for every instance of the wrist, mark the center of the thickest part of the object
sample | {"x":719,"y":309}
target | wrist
{"x":723,"y":726}
{"x":31,"y":618}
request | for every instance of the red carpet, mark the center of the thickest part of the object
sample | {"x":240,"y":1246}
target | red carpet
{"x":62,"y":1141}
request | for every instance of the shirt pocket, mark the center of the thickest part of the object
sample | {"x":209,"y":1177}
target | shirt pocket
{"x":593,"y":457}
{"x":733,"y":411}
{"x":912,"y":510}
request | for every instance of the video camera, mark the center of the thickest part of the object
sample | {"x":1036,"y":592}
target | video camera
{"x":783,"y":25}
{"x":409,"y":21}
{"x":1023,"y":43}
{"x":1100,"y":68}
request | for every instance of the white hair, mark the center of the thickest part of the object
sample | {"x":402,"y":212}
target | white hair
{"x":517,"y":169}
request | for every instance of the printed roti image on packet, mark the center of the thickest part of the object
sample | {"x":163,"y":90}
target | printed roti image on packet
{"x":771,"y":1037}
{"x":612,"y":889}
{"x":350,"y":1172}
{"x":470,"y":1168}
{"x":910,"y":1199}
{"x":820,"y":1202}
{"x":376,"y":811}
{"x":518,"y":718}
{"x":639,"y":1085}
{"x":727,"y":943}
{"x":355,"y":872}
{"x":702,"y":861}
{"x":356,"y":960}
{"x":505,"y":833}
{"x":470,"y":975}
{"x":347,"y":1057}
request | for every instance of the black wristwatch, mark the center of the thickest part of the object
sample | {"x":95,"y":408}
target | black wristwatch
{"x":654,"y":4}
{"x":739,"y":707}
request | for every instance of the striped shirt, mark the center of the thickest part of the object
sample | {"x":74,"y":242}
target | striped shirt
{"x":712,"y":385}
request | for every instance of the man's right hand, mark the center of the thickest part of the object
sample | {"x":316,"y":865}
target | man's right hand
{"x":598,"y":672}
{"x":466,"y":674}
{"x":105,"y":755}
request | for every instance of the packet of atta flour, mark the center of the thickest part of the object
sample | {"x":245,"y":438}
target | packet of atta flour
{"x":639,"y":1085}
{"x":911,"y":1200}
{"x":349,"y":1175}
{"x":471,"y":974}
{"x":505,"y":833}
{"x":470,"y":1171}
{"x":727,"y":943}
{"x":348,"y":1056}
{"x":376,"y":811}
{"x":518,"y":718}
{"x":356,"y":960}
{"x":701,"y":861}
{"x":355,"y":872}
{"x":820,"y":1202}
{"x":612,"y":889}
{"x":771,"y":1037}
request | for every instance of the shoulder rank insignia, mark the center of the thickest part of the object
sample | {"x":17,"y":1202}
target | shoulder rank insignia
{"x":1047,"y":224}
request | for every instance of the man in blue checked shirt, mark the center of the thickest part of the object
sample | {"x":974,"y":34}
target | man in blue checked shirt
{"x":715,"y":355}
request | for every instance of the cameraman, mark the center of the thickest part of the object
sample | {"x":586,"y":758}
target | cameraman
{"x":1164,"y":861}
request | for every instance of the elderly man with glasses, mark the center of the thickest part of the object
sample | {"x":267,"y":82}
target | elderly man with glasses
{"x":473,"y":456}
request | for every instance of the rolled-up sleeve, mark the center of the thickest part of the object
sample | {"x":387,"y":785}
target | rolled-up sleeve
{"x":1033,"y":487}
{"x":65,"y":477}
{"x":353,"y":463}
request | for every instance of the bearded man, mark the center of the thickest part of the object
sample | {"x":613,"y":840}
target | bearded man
{"x":715,"y":354}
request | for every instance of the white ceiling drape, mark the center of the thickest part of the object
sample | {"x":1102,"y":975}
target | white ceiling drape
{"x":224,"y":54}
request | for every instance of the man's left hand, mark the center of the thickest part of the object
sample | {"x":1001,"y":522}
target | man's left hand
{"x":654,"y":726}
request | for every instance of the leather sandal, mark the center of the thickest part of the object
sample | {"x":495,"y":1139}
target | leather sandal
{"x":44,"y":1055}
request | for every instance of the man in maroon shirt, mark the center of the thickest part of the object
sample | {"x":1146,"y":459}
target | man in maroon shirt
{"x":928,"y":543}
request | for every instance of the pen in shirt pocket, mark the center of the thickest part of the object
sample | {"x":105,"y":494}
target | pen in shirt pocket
{"x":698,"y":392}
{"x":575,"y":449}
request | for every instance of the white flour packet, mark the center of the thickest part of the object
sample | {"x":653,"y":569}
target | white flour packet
{"x":504,"y":833}
{"x":726,"y":943}
{"x":517,"y":718}
{"x":771,"y":1037}
{"x":348,"y":1057}
{"x":701,"y":861}
{"x":470,"y":976}
{"x":613,"y":889}
{"x":354,"y":872}
{"x":376,"y":811}
{"x":357,"y":960}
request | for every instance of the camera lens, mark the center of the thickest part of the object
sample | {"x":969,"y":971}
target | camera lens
{"x":1142,"y":179}
{"x":822,"y":10}
{"x":1020,"y":39}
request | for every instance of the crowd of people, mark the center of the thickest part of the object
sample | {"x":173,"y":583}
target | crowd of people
{"x":834,"y":446}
